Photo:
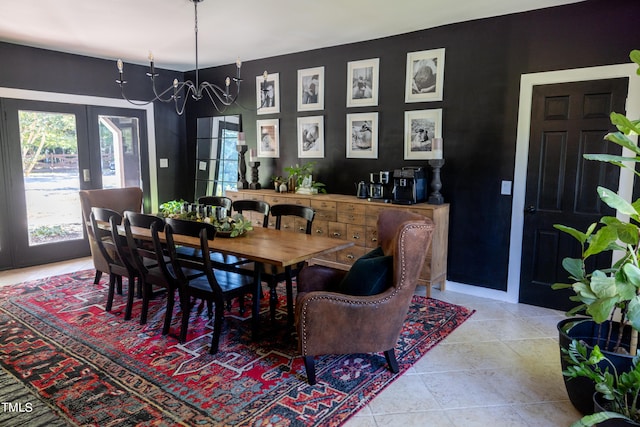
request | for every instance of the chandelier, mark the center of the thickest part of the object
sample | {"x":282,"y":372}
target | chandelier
{"x":178,"y":92}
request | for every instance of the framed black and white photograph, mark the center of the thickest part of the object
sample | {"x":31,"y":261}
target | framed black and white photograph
{"x":423,"y":134}
{"x":268,"y":138}
{"x":362,"y":135}
{"x":362,"y":83}
{"x":311,"y":89}
{"x":311,"y":137}
{"x":425,"y":76}
{"x":268,"y":93}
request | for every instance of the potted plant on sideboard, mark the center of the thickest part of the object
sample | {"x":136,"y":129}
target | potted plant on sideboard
{"x":607,"y":297}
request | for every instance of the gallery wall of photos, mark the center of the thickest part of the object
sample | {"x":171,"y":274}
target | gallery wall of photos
{"x":424,"y":80}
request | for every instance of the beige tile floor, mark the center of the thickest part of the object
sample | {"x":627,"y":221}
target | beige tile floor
{"x":499,"y":368}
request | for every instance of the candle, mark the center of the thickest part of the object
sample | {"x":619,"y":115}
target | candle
{"x":436,"y":148}
{"x":120,"y":71}
{"x":240,"y":138}
{"x":151,"y":63}
{"x":252,"y":155}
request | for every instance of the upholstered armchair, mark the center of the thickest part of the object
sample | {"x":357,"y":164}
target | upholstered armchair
{"x":117,"y":199}
{"x":329,"y":322}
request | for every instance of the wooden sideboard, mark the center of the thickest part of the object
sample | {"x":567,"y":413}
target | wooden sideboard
{"x":349,"y":218}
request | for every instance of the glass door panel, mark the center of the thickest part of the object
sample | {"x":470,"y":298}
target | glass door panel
{"x":120,"y":151}
{"x":49,"y":149}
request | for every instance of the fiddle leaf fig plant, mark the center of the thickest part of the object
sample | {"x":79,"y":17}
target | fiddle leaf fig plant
{"x":610,"y":293}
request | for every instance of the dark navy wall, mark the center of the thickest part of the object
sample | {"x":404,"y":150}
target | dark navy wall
{"x":484,"y":62}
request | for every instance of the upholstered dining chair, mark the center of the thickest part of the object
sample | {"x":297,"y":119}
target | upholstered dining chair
{"x":339,"y":312}
{"x":273,"y":274}
{"x":116,"y":199}
{"x":214,"y":287}
{"x":115,"y":267}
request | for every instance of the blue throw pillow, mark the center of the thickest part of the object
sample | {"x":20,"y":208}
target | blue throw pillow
{"x":371,"y":274}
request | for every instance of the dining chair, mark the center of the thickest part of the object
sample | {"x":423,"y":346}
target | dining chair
{"x":116,"y":199}
{"x":116,"y":268}
{"x":220,"y":201}
{"x":144,"y":258}
{"x":274,"y":274}
{"x":214,"y":287}
{"x":258,"y":206}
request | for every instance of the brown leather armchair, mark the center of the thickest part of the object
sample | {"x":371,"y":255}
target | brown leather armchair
{"x":332,"y":323}
{"x":117,"y":199}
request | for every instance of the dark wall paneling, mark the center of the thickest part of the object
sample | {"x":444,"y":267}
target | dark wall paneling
{"x":483,"y":64}
{"x":48,"y":71}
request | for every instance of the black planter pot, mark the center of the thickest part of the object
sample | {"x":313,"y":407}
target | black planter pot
{"x":581,"y":390}
{"x":598,"y":402}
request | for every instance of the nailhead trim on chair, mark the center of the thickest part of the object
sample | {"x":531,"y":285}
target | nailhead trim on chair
{"x":339,"y":299}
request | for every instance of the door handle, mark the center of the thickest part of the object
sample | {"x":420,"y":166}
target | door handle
{"x":530,"y":209}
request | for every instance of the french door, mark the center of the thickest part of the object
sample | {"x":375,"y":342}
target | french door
{"x":49,"y":152}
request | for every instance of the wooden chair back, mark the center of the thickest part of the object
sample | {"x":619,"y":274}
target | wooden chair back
{"x":258,"y":206}
{"x":304,"y":212}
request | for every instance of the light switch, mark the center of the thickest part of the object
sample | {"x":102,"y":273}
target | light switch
{"x":506,"y":188}
{"x":164,"y":163}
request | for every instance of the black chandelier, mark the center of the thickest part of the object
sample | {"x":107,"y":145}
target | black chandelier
{"x":178,"y":92}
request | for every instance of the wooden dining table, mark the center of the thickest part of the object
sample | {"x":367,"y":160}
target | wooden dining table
{"x":263,"y":246}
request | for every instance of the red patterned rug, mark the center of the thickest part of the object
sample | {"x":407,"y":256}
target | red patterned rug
{"x":65,"y":361}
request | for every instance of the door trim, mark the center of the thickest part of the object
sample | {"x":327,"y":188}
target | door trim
{"x":64,"y":98}
{"x":527,"y":82}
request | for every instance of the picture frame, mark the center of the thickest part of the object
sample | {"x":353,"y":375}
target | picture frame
{"x":362,"y":135}
{"x":268,"y":100}
{"x":268,"y":138}
{"x":423,"y":134}
{"x":311,"y":89}
{"x":311,"y":137}
{"x":362,"y":82}
{"x":425,"y":76}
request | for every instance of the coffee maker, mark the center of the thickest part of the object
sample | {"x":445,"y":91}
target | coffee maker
{"x":409,"y":185}
{"x":379,"y":187}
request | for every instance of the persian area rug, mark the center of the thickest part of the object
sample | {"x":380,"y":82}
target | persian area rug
{"x":68,"y":362}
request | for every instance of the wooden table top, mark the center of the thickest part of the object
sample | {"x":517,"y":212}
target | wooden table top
{"x":266,"y":245}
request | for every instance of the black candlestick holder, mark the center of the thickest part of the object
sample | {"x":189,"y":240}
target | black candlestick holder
{"x":435,"y":198}
{"x":242,"y":167}
{"x":255,"y":185}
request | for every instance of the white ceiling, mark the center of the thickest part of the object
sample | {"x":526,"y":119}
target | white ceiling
{"x":249,"y":29}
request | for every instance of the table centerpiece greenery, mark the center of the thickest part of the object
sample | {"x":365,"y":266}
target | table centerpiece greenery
{"x":232,"y":226}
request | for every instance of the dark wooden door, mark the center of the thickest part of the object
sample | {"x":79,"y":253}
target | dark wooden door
{"x":567,"y":121}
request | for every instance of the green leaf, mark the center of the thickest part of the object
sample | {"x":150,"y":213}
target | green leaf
{"x":622,"y":140}
{"x":601,"y":241}
{"x":628,"y":233}
{"x":623,"y":124}
{"x":575,"y":267}
{"x":632,"y":273}
{"x":635,"y":57}
{"x":633,"y":313}
{"x":578,"y":235}
{"x":610,"y":158}
{"x":616,"y":202}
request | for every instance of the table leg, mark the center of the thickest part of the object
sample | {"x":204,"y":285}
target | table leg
{"x":255,"y":311}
